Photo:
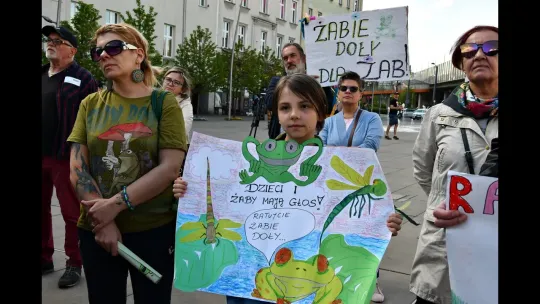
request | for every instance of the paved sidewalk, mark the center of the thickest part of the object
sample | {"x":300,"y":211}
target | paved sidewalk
{"x":395,"y":159}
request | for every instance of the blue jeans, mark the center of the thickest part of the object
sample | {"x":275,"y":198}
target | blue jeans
{"x":235,"y":300}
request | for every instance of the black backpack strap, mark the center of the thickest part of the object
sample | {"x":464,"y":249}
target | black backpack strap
{"x":157,"y":103}
{"x":468,"y":154}
{"x":156,"y":100}
{"x":353,"y":129}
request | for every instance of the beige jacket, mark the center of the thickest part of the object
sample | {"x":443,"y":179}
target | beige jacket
{"x":439,"y":148}
{"x":187,"y":110}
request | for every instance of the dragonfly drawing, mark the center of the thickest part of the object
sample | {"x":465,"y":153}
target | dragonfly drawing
{"x":212,"y":230}
{"x":364,"y":190}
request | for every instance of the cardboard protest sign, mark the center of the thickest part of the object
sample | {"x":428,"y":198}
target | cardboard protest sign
{"x":280,"y":221}
{"x":373,"y":44}
{"x":472,"y":246}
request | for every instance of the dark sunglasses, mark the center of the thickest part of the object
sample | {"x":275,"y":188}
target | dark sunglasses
{"x":57,"y":42}
{"x":490,"y":48}
{"x":112,"y":48}
{"x":345,"y":88}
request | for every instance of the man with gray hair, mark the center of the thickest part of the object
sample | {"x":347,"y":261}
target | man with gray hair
{"x":294,"y":62}
{"x":64,"y":84}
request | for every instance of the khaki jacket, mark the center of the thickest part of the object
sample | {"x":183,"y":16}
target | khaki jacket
{"x":439,"y":148}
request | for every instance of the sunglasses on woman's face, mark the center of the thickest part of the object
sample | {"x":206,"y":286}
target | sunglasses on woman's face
{"x":112,"y":48}
{"x":350,"y":88}
{"x":490,"y":48}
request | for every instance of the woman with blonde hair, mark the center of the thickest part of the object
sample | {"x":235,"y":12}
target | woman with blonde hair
{"x":178,"y":82}
{"x":127,"y":146}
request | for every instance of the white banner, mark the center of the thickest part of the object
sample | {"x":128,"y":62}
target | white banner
{"x":473,"y":246}
{"x":373,"y":44}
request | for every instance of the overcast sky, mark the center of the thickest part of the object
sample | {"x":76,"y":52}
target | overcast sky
{"x":434,"y":25}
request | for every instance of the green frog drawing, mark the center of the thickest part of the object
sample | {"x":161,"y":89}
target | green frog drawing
{"x":275,"y":159}
{"x":384,"y":29}
{"x":288,"y":280}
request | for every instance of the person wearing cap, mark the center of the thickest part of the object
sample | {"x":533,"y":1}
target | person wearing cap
{"x":64,"y":84}
{"x":393,"y":116}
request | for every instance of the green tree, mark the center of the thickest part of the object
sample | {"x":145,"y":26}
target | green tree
{"x":145,"y":22}
{"x":44,"y":59}
{"x":247,"y":71}
{"x":84,"y":25}
{"x":271,"y":66}
{"x":197,"y":54}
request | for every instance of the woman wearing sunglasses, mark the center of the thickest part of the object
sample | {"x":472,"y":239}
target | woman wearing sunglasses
{"x":352,"y":127}
{"x":127,"y":148}
{"x":455,"y":135}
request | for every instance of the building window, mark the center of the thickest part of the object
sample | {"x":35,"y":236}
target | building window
{"x":168,"y":41}
{"x":264,"y":6}
{"x":282,"y":9}
{"x":319,"y":14}
{"x":293,"y":9}
{"x":74,"y":9}
{"x":263,"y":41}
{"x":241,"y":34}
{"x":112,"y":17}
{"x":203,"y":3}
{"x":348,"y":3}
{"x":244,"y":3}
{"x":340,"y":2}
{"x":279,"y":44}
{"x":310,"y":11}
{"x":226,"y":30}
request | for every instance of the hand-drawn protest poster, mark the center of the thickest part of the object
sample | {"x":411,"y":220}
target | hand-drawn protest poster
{"x":472,"y":246}
{"x":281,"y":222}
{"x":373,"y":44}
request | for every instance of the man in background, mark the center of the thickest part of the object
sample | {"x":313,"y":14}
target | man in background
{"x":294,"y":62}
{"x":393,"y":116}
{"x":64,"y":84}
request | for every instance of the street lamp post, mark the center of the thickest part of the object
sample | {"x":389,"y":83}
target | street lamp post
{"x":372,"y":95}
{"x":58,"y":13}
{"x":48,"y":19}
{"x":407,"y":98}
{"x":197,"y":117}
{"x":232,"y":60}
{"x":435,"y":83}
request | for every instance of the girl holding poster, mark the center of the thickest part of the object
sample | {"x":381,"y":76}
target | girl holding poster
{"x":300,"y":103}
{"x":455,"y":135}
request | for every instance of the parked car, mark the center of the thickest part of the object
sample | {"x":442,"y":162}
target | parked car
{"x":407,"y":113}
{"x":419,"y":114}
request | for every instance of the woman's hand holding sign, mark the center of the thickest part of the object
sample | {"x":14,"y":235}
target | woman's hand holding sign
{"x":448,"y":218}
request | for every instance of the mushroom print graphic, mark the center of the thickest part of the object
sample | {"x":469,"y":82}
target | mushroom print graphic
{"x":111,"y":162}
{"x":126,"y":166}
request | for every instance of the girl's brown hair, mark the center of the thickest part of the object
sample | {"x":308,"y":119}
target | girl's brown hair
{"x":306,"y":88}
{"x":131,"y":35}
{"x":457,"y":58}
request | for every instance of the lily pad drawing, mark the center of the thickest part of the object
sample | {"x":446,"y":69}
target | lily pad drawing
{"x":355,"y":266}
{"x":199,"y":264}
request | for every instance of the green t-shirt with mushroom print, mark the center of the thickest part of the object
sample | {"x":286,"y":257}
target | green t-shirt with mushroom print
{"x":122,"y":138}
